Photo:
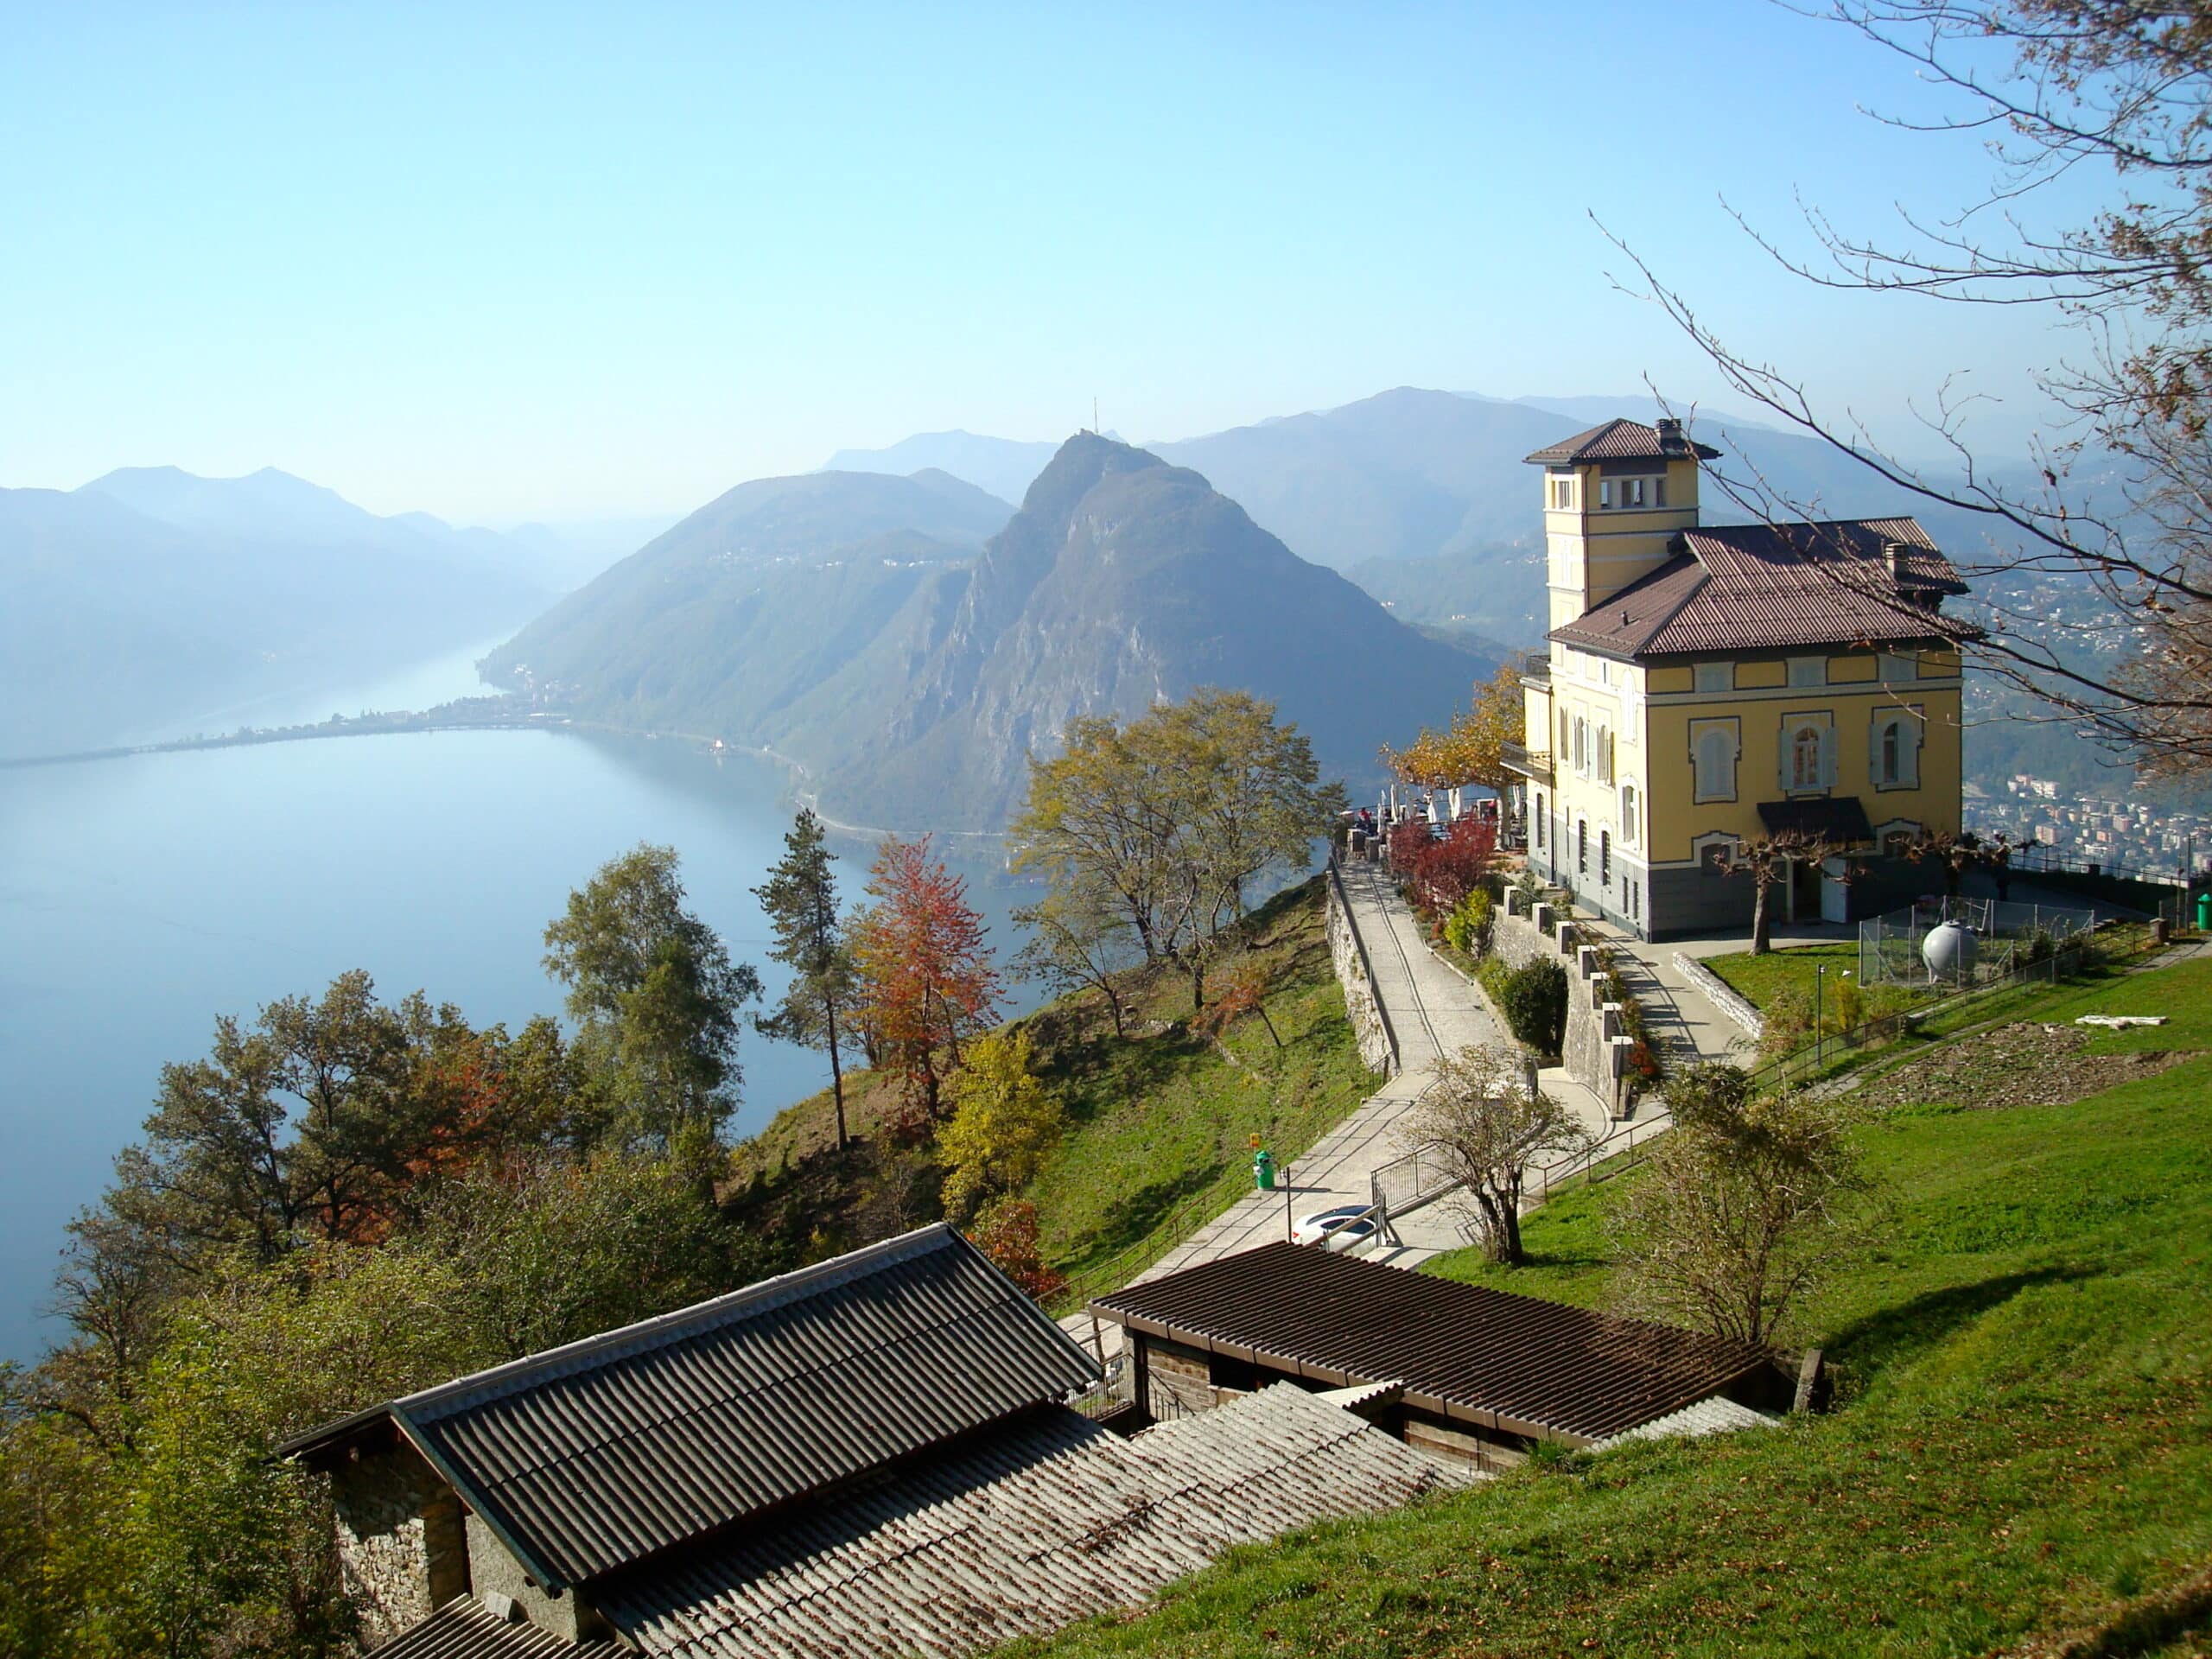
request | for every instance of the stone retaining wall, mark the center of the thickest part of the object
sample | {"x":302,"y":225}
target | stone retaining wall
{"x":1723,"y":995}
{"x":1595,"y":1048}
{"x":1368,"y":1027}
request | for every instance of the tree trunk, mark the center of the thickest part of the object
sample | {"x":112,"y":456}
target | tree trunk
{"x":1113,"y":1005}
{"x":1261,"y":1009}
{"x":1761,"y":881}
{"x":836,"y":1070}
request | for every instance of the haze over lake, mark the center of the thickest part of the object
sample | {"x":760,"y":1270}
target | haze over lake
{"x":141,"y":898}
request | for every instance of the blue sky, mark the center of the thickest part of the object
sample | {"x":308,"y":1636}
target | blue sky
{"x":502,"y":263}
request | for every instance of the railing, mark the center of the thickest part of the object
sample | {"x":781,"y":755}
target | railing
{"x":1533,"y":764}
{"x":1366,"y":963}
{"x":1621,"y":1143}
{"x":1405,"y":1183}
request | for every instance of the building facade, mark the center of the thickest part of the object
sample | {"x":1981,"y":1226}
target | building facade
{"x":1706,"y":688}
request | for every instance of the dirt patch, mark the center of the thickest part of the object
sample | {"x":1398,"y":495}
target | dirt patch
{"x":2025,"y":1064}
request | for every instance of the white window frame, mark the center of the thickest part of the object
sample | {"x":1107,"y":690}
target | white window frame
{"x":1631,"y":806}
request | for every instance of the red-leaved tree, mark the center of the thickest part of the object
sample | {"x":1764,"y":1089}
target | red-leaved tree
{"x":1007,"y":1233}
{"x":927,"y":981}
{"x":1439,"y":874}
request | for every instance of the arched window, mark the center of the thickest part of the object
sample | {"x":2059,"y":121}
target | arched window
{"x":1805,"y":757}
{"x":1605,"y":858}
{"x":1628,"y":804}
{"x":1895,"y":752}
{"x":1582,"y":847}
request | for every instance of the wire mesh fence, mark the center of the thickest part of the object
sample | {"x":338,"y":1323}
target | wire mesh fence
{"x":1991,"y":940}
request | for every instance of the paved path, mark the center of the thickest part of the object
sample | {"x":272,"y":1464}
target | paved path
{"x":1680,"y":1016}
{"x":1434,"y":1010}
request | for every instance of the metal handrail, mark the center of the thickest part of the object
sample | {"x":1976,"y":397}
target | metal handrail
{"x":1597,"y":1153}
{"x":1366,"y":963}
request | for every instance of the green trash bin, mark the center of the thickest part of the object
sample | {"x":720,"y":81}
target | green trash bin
{"x":2204,"y":911}
{"x":1263,"y":1171}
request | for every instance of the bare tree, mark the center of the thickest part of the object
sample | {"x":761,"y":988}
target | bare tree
{"x":1481,"y":1116}
{"x":1769,"y":862}
{"x":1748,"y":1204}
{"x":2119,"y":508}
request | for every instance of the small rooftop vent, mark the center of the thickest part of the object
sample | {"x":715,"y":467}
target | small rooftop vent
{"x":1671,"y":441}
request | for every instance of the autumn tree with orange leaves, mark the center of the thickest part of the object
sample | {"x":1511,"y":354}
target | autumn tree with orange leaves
{"x":927,"y":981}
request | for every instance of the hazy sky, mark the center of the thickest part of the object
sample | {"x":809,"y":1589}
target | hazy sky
{"x":544,"y":262}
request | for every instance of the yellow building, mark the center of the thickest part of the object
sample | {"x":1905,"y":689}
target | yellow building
{"x":1708,"y":686}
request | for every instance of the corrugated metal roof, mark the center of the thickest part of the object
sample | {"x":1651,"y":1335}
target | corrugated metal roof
{"x":463,"y":1629}
{"x":1621,"y":440}
{"x":1762,"y":586}
{"x":1018,"y":1532}
{"x":1718,"y":1416}
{"x":590,"y":1457}
{"x":1486,"y":1356}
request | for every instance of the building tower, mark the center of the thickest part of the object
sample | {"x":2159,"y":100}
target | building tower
{"x":1615,"y":497}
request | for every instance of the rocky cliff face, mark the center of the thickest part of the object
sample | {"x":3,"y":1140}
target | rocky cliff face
{"x":1122,"y":582}
{"x":913,"y":679}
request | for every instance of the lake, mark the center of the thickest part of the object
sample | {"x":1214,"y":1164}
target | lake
{"x":140,"y":897}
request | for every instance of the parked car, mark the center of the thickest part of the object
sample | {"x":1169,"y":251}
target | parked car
{"x":1346,"y":1220}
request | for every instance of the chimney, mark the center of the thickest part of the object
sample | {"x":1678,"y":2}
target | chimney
{"x":1670,"y":437}
{"x":1893,"y":556}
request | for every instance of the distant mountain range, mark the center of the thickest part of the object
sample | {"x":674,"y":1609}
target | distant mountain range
{"x":910,"y":670}
{"x":151,"y":596}
{"x":1422,"y":497}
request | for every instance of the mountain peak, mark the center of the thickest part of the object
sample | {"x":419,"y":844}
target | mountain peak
{"x":1078,"y":466}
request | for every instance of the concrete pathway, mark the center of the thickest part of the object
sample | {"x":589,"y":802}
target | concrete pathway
{"x":1434,"y":1010}
{"x":1681,"y":1016}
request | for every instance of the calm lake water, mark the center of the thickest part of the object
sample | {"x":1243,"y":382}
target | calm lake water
{"x":140,"y":897}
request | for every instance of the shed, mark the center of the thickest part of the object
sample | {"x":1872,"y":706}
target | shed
{"x":1480,"y":1374}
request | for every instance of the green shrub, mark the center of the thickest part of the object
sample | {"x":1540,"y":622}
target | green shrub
{"x":1534,"y":1004}
{"x":1492,"y":973}
{"x":1466,"y":930}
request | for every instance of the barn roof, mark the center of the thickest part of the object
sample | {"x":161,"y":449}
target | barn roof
{"x":1485,"y":1357}
{"x":594,"y":1456}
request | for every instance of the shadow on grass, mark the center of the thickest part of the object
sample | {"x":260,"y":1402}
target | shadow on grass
{"x":1135,"y":1216}
{"x":1897,"y":1335}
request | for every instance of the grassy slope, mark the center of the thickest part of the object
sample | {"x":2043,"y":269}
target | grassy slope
{"x":1159,"y":1124}
{"x":2023,"y":1445}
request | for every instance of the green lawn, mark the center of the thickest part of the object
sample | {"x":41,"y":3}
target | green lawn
{"x":2023,"y":1445}
{"x":1794,"y":970}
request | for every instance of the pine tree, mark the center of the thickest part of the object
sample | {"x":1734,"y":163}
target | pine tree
{"x":800,"y":899}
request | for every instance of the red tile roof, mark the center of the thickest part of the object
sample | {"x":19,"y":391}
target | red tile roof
{"x":1764,"y":587}
{"x":1624,"y":440}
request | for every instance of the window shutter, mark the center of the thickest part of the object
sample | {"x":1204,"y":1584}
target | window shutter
{"x":1827,"y":757}
{"x":1874,"y":751}
{"x":1908,"y":751}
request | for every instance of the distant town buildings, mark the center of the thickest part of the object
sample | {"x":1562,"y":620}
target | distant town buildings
{"x":2127,"y":835}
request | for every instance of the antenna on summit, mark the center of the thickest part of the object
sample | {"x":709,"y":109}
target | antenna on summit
{"x":1094,"y":417}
